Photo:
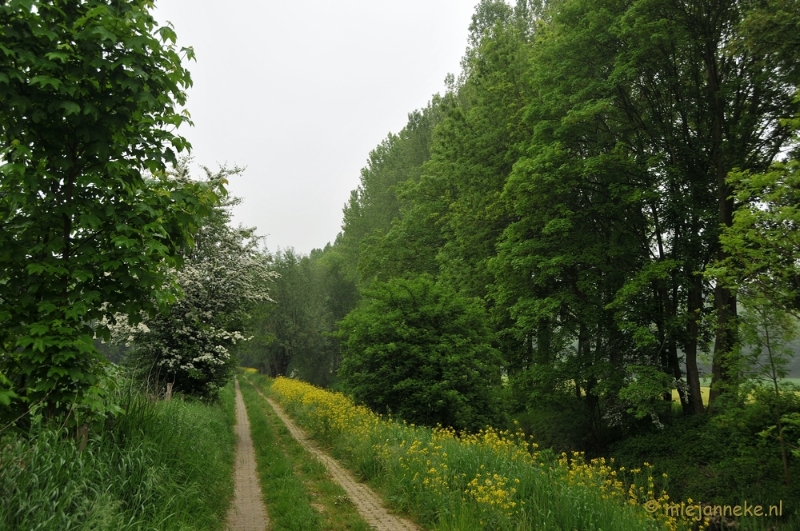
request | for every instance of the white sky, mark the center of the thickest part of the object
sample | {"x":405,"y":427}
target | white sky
{"x":301,"y":91}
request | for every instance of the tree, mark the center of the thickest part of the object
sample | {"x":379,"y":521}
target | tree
{"x":419,"y":350}
{"x":481,"y":136}
{"x":374,"y":206}
{"x":289,"y":334}
{"x":90,"y":94}
{"x":647,"y":105}
{"x":293,"y":334}
{"x":224,"y":275}
{"x":573,"y":232}
{"x":762,"y":266}
{"x":763,"y":243}
{"x":706,"y":93}
{"x":767,"y":330}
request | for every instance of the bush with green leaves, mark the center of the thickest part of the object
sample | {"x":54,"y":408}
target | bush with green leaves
{"x":725,"y":458}
{"x":417,"y":349}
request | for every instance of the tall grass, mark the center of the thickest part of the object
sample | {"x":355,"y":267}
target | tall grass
{"x":490,"y":480}
{"x":160,"y":466}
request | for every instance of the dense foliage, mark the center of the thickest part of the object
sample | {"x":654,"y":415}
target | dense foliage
{"x":763,"y":243}
{"x":615,"y":182}
{"x":292,"y":335}
{"x":90,"y":225}
{"x":559,"y":190}
{"x":421,"y":351}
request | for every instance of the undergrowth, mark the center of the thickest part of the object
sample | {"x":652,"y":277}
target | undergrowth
{"x":162,"y":465}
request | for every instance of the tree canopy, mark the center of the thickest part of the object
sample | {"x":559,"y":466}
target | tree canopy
{"x":575,"y":178}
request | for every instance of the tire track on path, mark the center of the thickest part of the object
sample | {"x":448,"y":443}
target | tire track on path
{"x":247,"y":512}
{"x":366,"y":501}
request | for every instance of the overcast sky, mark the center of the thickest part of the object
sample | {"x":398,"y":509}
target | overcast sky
{"x":299,"y":92}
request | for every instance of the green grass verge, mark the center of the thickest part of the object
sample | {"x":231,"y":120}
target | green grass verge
{"x":162,"y":466}
{"x":297,"y":489}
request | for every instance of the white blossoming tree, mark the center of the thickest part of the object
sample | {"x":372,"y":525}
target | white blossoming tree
{"x":223,"y":276}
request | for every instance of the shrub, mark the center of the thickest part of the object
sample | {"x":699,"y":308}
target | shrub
{"x":417,"y":349}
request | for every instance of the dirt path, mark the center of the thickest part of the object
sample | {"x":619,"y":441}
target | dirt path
{"x":366,"y":501}
{"x":247,"y":513}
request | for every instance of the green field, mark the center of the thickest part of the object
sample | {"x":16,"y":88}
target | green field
{"x":705,"y":388}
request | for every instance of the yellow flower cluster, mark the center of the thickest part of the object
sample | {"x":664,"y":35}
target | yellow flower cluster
{"x":492,"y":473}
{"x":492,"y":491}
{"x":328,"y":413}
{"x":611,"y":482}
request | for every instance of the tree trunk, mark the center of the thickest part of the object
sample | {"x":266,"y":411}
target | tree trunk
{"x":723,"y":370}
{"x":724,"y":299}
{"x":694,"y":306}
{"x":672,"y":362}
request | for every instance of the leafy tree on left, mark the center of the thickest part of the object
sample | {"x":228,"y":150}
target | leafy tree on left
{"x":91,"y":226}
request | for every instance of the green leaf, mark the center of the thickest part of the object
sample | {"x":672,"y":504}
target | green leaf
{"x":61,"y":56}
{"x":95,"y":12}
{"x":43,"y":81}
{"x":6,"y":50}
{"x":71,"y":108}
{"x":167,"y":34}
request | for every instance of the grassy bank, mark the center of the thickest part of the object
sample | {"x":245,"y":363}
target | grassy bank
{"x":491,"y":480}
{"x":161,"y":466}
{"x":297,"y":490}
{"x":724,"y":459}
